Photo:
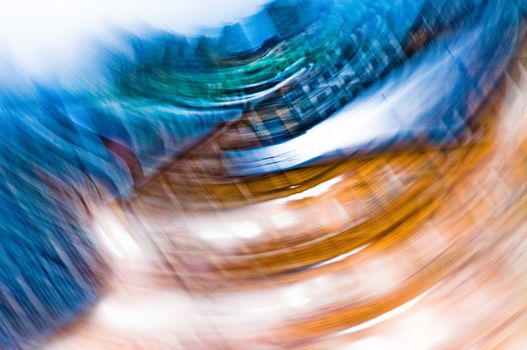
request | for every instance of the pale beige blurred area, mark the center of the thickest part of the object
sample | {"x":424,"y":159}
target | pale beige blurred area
{"x":453,"y":275}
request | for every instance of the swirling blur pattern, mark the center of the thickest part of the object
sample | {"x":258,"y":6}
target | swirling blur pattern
{"x":321,"y":174}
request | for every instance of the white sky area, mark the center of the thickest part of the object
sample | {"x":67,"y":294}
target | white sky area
{"x":44,"y":36}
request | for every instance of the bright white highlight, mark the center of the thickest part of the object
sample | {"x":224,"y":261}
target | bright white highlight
{"x":44,"y":36}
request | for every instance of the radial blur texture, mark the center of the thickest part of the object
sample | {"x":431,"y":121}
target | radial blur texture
{"x":264,"y":174}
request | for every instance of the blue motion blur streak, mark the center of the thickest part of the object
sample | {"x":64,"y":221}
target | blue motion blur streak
{"x":429,"y":96}
{"x":59,"y":148}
